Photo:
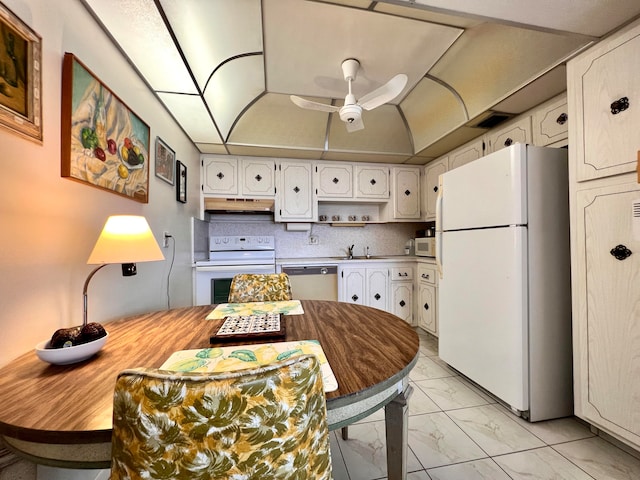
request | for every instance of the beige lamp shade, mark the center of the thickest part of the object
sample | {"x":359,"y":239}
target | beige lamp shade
{"x":125,"y":239}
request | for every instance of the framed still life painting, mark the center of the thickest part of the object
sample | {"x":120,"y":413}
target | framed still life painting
{"x":20,"y":77}
{"x":104,"y":143}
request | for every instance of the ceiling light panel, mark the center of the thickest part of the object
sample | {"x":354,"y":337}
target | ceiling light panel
{"x":191,"y":114}
{"x":303,"y":55}
{"x":275,"y":120}
{"x":154,"y":54}
{"x":232,"y":88}
{"x":384,"y":132}
{"x":431,"y":111}
{"x":212,"y":31}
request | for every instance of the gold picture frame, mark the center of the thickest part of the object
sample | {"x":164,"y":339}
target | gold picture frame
{"x":20,"y":77}
{"x":104,"y":143}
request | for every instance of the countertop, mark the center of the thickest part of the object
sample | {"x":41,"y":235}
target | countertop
{"x":337,"y":260}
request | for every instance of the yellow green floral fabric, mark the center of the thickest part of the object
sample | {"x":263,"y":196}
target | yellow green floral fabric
{"x":254,"y":424}
{"x":246,"y":287}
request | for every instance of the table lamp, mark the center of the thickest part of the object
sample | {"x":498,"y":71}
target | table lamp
{"x":124,"y":239}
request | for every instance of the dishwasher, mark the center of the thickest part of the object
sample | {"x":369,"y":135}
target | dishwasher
{"x":313,"y":282}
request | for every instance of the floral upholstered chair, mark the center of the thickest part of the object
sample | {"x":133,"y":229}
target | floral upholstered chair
{"x":263,"y":423}
{"x":247,"y":287}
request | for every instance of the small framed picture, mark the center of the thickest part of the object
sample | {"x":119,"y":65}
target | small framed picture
{"x":165,"y":161}
{"x":181,"y":184}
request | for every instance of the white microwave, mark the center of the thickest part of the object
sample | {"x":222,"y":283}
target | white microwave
{"x":425,"y":247}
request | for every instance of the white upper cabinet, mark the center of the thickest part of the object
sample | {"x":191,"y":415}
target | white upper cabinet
{"x":334,"y":180}
{"x":518,"y":131}
{"x":406,"y":192}
{"x":605,"y":90}
{"x":467,"y":153}
{"x":431,"y":173}
{"x":257,"y":177}
{"x":551,"y":122}
{"x":220,"y":175}
{"x":371,"y":181}
{"x":233,"y":176}
{"x":295,"y":197}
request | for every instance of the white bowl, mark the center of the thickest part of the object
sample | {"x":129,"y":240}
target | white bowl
{"x":65,"y":356}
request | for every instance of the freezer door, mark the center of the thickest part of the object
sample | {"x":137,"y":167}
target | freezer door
{"x":482,"y":305}
{"x":490,"y":191}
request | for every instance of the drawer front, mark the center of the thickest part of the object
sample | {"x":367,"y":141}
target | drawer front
{"x":427,"y":274}
{"x":401,"y":273}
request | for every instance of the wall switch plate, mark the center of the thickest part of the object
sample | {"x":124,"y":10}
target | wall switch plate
{"x":313,"y":240}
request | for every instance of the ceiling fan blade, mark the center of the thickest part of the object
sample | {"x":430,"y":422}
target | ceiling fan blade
{"x":309,"y":105}
{"x":354,"y":126}
{"x":385,"y":93}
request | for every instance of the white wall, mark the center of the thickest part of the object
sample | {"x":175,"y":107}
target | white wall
{"x":48,"y":224}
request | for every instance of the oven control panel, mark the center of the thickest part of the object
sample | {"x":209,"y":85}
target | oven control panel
{"x":251,"y":242}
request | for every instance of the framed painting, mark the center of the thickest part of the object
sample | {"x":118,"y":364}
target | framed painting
{"x":181,"y":182}
{"x":20,"y":77}
{"x":104,"y":143}
{"x":165,"y":161}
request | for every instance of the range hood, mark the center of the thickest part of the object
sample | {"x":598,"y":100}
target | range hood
{"x":239,"y":205}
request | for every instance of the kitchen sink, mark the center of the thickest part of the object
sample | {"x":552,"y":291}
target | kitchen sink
{"x":361,"y":257}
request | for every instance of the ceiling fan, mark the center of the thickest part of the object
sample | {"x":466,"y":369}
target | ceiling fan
{"x":351,"y":111}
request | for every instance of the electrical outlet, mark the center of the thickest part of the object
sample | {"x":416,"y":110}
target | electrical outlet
{"x":165,"y":239}
{"x":313,"y":240}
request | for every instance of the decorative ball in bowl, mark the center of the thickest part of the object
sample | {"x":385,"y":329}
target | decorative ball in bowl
{"x":72,"y":345}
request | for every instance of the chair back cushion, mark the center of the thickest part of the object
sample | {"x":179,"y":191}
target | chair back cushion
{"x":263,"y":423}
{"x":247,"y":287}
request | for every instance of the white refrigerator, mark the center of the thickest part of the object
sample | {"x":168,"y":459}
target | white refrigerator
{"x":504,"y":300}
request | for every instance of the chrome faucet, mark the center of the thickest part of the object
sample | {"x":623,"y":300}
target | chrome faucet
{"x":350,"y":250}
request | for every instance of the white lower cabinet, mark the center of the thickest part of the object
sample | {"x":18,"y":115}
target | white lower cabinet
{"x":427,"y":298}
{"x":401,"y":293}
{"x":364,"y":286}
{"x":606,"y":276}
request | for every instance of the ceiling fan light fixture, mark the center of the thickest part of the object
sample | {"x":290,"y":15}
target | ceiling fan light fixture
{"x":350,"y":113}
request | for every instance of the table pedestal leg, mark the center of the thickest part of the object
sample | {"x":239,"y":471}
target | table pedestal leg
{"x":396,"y":416}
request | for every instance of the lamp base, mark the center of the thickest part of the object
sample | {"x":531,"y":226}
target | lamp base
{"x":129,"y":269}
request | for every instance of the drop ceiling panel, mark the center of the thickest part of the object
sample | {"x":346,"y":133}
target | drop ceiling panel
{"x":364,"y":157}
{"x":490,"y":62}
{"x":212,"y":31}
{"x":211,"y":148}
{"x":426,"y":15}
{"x":232,"y":88}
{"x":274,"y":152}
{"x":141,"y":33}
{"x":274,"y":120}
{"x":192,"y":115}
{"x":304,"y":53}
{"x":547,"y":86}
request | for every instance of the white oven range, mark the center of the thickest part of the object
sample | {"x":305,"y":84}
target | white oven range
{"x":229,"y":256}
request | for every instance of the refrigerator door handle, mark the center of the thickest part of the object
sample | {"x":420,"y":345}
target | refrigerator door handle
{"x":439,"y":227}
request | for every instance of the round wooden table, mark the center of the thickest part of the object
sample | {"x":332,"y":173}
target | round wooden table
{"x":61,"y":415}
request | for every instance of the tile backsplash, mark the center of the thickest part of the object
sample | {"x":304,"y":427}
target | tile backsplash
{"x":382,"y":239}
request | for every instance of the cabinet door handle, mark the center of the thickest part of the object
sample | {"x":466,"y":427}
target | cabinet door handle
{"x":435,"y":189}
{"x":407,"y":192}
{"x":377,"y":296}
{"x":562,"y":119}
{"x":425,"y":276}
{"x":373,"y":181}
{"x":619,"y":105}
{"x":258,"y":177}
{"x":508,"y":142}
{"x":335,"y":180}
{"x":426,"y":306}
{"x":354,"y":298}
{"x":402,"y":303}
{"x":620,"y":252}
{"x":220,"y":175}
{"x":296,"y":189}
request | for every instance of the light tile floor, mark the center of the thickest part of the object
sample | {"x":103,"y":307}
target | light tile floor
{"x":458,"y":432}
